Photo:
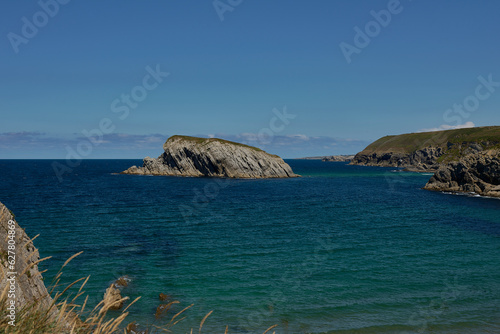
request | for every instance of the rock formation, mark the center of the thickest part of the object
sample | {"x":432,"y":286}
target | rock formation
{"x":338,"y":158}
{"x":476,"y":173}
{"x":212,"y":157}
{"x":112,"y":298}
{"x":426,"y":151}
{"x":464,"y":160}
{"x":26,"y":284}
{"x":424,"y":160}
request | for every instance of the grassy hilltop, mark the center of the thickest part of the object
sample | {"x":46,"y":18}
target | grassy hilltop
{"x":453,"y":142}
{"x":204,"y":141}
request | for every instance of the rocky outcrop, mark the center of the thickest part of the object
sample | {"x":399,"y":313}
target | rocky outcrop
{"x":463,"y":160}
{"x":338,"y":158}
{"x":112,"y":298}
{"x":474,"y":173}
{"x":426,"y":151}
{"x":423,"y":160}
{"x":19,"y":274}
{"x":212,"y":157}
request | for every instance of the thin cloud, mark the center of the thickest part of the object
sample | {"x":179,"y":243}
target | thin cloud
{"x":449,"y":127}
{"x":37,"y":140}
{"x":299,"y":144}
{"x":134,"y":145}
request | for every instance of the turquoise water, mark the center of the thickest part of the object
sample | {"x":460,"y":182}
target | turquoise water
{"x":344,"y":249}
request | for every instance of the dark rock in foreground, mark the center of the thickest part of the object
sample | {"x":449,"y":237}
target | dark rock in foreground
{"x":212,"y":157}
{"x":18,"y":269}
{"x":478,"y":173}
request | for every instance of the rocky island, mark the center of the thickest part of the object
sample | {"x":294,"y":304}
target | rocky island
{"x":463,"y":160}
{"x":212,"y":157}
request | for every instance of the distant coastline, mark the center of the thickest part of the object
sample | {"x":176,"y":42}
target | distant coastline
{"x":338,"y":158}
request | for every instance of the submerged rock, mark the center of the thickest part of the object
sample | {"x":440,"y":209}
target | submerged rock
{"x":212,"y":157}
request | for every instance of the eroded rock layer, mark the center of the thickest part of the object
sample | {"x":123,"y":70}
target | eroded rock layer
{"x":212,"y":157}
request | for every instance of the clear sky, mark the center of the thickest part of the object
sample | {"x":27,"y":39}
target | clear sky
{"x":315,"y":77}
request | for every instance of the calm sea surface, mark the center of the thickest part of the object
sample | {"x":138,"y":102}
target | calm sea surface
{"x":344,"y":249}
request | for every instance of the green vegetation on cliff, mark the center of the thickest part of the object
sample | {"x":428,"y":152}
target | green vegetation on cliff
{"x":203,"y":141}
{"x":425,"y":151}
{"x":488,"y":136}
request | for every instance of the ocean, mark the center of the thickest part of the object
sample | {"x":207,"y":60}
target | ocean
{"x":343,"y":249}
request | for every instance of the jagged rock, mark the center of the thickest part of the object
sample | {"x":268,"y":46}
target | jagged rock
{"x":113,"y":298}
{"x":424,"y":160}
{"x":478,"y":173}
{"x":163,"y":297}
{"x":338,"y":158}
{"x":426,"y":151}
{"x":121,"y":282}
{"x":212,"y":157}
{"x":27,"y":282}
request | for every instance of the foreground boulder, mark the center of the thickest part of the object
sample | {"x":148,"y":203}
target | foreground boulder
{"x":19,"y":275}
{"x":212,"y":157}
{"x":474,"y":173}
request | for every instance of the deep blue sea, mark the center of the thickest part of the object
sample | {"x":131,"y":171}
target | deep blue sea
{"x":343,"y":249}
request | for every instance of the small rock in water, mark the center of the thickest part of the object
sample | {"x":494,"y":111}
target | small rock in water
{"x":122,"y":282}
{"x":164,"y":297}
{"x":113,"y":298}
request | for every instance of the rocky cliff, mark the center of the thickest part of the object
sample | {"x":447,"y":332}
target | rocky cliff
{"x":338,"y":158}
{"x":464,"y":160}
{"x":19,"y":274}
{"x":426,"y":151}
{"x":212,"y":157}
{"x":425,"y":159}
{"x":477,"y":173}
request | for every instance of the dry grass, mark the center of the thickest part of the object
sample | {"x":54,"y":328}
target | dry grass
{"x":66,"y":315}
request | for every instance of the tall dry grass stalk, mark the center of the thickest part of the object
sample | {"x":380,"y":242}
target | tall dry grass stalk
{"x":66,"y":315}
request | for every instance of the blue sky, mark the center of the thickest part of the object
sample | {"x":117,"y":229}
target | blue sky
{"x":230,"y":78}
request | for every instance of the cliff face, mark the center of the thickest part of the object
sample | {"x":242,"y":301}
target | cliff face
{"x":338,"y":158}
{"x":426,"y":151}
{"x":425,"y":159}
{"x":478,"y":173}
{"x":464,"y":160}
{"x":191,"y":156}
{"x":26,"y":284}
